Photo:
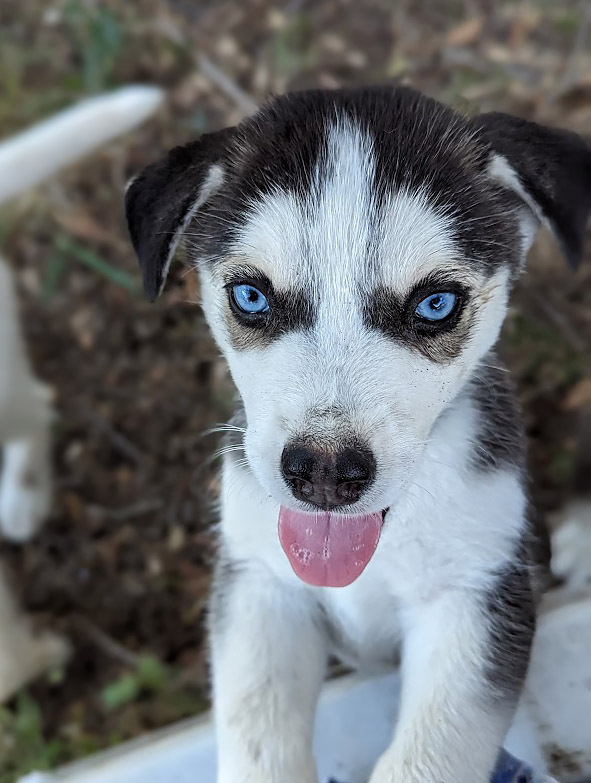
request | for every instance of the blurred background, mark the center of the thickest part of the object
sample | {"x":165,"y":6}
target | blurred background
{"x":122,"y":566}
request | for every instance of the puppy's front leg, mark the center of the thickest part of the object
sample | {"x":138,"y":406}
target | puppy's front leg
{"x":464,"y":660}
{"x":269,"y":658}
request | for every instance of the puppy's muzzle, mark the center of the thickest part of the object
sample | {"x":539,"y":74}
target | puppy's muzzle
{"x":327,"y":479}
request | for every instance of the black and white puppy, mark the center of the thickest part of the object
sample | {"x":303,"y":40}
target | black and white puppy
{"x":356,"y":251}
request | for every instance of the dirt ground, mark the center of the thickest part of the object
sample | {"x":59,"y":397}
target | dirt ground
{"x":122,"y":567}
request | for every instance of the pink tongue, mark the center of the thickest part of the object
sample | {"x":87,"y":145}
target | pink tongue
{"x":328,"y":550}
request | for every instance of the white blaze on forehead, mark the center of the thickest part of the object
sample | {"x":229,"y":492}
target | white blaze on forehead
{"x":342,"y":208}
{"x":337,"y":240}
{"x":318,"y":240}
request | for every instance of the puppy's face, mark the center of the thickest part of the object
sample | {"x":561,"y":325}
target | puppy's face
{"x":356,"y":252}
{"x":351,"y":313}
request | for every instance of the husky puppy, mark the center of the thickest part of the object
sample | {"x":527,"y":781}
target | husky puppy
{"x":356,"y":250}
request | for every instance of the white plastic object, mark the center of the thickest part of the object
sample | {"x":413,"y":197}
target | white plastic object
{"x":558,"y":689}
{"x":571,"y":544}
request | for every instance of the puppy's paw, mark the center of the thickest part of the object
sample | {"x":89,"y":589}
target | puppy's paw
{"x":239,"y":769}
{"x":392,"y":768}
{"x":386,"y":771}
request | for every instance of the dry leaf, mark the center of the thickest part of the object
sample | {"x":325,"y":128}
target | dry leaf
{"x":525,"y":20}
{"x":82,"y":326}
{"x":83,"y":226}
{"x":465,"y":33}
{"x":579,"y":396}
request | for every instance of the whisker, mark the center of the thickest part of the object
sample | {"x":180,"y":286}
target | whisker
{"x":227,"y":449}
{"x":420,"y":486}
{"x":494,"y":367}
{"x":223,"y":427}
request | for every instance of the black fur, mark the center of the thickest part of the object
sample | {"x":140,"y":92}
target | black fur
{"x":418,"y":143}
{"x":501,"y":436}
{"x":225,"y":575}
{"x":553,"y":166}
{"x":511,"y":606}
{"x":442,"y":342}
{"x":287,"y":311}
{"x":511,"y":609}
{"x":158,"y":200}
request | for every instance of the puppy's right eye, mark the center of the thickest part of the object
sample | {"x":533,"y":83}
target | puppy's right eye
{"x":438,"y":306}
{"x":248,"y":299}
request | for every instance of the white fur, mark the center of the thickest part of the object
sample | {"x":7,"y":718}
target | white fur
{"x":266,"y":688}
{"x":439,"y":548}
{"x":322,"y":248}
{"x":501,"y":170}
{"x":25,"y":492}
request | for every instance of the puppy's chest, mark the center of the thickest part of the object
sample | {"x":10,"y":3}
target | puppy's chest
{"x":412,"y":565}
{"x":362,"y":625}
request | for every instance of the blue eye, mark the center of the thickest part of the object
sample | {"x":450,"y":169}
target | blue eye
{"x":437,"y":307}
{"x":249,"y":299}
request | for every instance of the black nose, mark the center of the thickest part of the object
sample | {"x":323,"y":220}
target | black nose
{"x":327,"y":479}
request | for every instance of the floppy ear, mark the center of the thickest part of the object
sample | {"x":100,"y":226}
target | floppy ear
{"x":162,"y":200}
{"x":549,"y":169}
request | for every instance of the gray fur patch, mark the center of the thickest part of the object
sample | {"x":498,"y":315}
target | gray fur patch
{"x":225,"y":575}
{"x":512,"y":616}
{"x":500,"y":440}
{"x":512,"y":606}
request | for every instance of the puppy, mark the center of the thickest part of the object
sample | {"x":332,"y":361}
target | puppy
{"x":356,"y":251}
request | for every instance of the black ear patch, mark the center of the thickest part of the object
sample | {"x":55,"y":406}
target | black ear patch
{"x":162,"y":200}
{"x":553,"y":168}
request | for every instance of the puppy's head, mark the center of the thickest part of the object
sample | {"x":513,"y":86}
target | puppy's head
{"x":356,"y":251}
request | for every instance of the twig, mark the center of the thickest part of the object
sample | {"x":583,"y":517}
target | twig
{"x":131,"y":511}
{"x":107,"y":643}
{"x":294,"y":7}
{"x":572,"y":68}
{"x":559,"y":320}
{"x":212,"y":71}
{"x":120,"y":441}
{"x":227,"y":85}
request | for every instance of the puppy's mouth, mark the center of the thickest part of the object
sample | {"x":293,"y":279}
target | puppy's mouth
{"x":327,"y":549}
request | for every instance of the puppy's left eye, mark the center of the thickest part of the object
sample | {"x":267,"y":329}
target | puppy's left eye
{"x":249,"y":299}
{"x":438,"y":306}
